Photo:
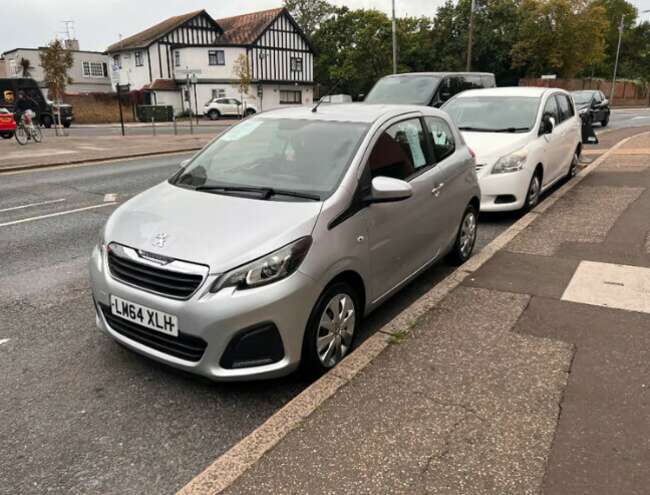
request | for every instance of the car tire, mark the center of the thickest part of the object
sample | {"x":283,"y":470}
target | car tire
{"x":214,"y":114}
{"x":46,"y":121}
{"x":573,"y":168}
{"x":465,"y":237}
{"x":533,"y":192}
{"x":330,"y":333}
{"x":605,"y":121}
{"x":249,"y":112}
{"x":67,"y":125}
{"x":7,"y":135}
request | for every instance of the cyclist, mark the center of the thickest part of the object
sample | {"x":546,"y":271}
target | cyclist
{"x":23,"y":103}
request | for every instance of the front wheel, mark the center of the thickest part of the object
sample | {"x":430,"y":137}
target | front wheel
{"x":465,"y":238}
{"x":21,"y":135}
{"x":67,"y":125}
{"x":534,"y":190}
{"x":214,"y":114}
{"x":605,"y":121}
{"x":37,"y":135}
{"x":249,"y":112}
{"x":331,"y":328}
{"x":46,"y":120}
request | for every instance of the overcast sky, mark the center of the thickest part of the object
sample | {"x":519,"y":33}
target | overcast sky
{"x":98,"y":23}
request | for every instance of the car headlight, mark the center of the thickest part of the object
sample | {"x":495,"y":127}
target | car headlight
{"x":583,"y":111}
{"x":268,"y":269}
{"x":511,"y":163}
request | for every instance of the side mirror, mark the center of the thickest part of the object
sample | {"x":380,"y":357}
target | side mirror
{"x":547,"y":125}
{"x":445,"y":95}
{"x":184,"y":163}
{"x":605,"y":102}
{"x":388,"y":189}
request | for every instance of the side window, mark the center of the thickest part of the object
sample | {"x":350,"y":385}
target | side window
{"x":569,"y":101}
{"x":563,"y":108}
{"x":597,"y":97}
{"x":488,"y":81}
{"x":550,"y":109}
{"x":472,"y":82}
{"x":400,"y":151}
{"x":442,"y":138}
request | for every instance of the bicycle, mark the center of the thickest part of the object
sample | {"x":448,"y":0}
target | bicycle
{"x":26,"y":130}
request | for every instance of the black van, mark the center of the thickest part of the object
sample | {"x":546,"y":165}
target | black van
{"x":426,"y":88}
{"x":45,"y":111}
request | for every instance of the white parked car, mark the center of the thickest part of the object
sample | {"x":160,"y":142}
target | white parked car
{"x":227,"y":107}
{"x":525,"y":139}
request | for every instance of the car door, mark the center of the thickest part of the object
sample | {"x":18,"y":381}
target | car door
{"x":552,"y":142}
{"x":567,"y":130}
{"x":400,"y":233}
{"x":449,"y":184}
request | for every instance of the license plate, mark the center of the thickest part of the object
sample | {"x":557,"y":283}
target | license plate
{"x":146,"y":317}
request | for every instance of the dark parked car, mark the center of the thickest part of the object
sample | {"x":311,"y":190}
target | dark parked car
{"x":592,"y":105}
{"x":45,"y":111}
{"x":426,"y":88}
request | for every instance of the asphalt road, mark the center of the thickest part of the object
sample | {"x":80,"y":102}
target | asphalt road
{"x":622,"y":118}
{"x":79,"y":413}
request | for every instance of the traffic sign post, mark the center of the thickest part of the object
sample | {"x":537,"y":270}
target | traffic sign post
{"x":120,"y":88}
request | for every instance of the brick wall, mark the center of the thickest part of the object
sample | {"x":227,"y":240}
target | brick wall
{"x":625,"y":94}
{"x":98,"y":108}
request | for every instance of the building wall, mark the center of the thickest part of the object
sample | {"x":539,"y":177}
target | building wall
{"x":3,"y":68}
{"x":198,"y":58}
{"x":125,"y":70}
{"x":80,"y":82}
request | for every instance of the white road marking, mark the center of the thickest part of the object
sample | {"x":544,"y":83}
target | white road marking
{"x":35,"y":154}
{"x":32,"y":204}
{"x":60,"y":213}
{"x":110,"y":197}
{"x":609,"y":285}
{"x":4,"y":341}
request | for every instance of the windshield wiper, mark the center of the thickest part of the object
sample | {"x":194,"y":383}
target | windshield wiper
{"x":265,"y":192}
{"x":483,"y":129}
{"x":475,"y":129}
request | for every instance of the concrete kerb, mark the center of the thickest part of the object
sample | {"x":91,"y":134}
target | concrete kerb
{"x":226,"y":469}
{"x":26,"y":168}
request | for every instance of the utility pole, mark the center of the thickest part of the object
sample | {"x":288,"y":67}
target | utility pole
{"x":470,"y":35}
{"x":394,"y":28}
{"x":618,"y":51}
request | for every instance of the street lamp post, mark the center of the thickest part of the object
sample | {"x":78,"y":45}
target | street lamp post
{"x":394,"y":29}
{"x":618,"y":52}
{"x":470,"y":35}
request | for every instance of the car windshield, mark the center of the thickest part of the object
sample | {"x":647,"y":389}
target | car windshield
{"x":582,"y":97}
{"x":277,"y":158}
{"x":406,"y":90}
{"x":493,"y":113}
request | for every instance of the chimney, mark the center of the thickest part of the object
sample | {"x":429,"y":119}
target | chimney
{"x":71,"y":44}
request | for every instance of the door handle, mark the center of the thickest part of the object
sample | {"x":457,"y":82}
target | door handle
{"x":436,"y":190}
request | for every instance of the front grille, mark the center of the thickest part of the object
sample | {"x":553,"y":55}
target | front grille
{"x":159,"y":280}
{"x":184,"y":346}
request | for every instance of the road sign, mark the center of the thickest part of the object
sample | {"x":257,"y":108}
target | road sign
{"x":549,"y":76}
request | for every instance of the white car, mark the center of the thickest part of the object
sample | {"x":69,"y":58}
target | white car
{"x":227,"y":107}
{"x":525,"y":139}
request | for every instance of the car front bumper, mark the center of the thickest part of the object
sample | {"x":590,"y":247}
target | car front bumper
{"x":217,"y":319}
{"x":496,"y":187}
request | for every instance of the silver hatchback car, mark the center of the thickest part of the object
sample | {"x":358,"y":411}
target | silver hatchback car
{"x":267,"y":249}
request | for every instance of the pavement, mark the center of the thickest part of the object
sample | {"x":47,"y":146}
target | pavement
{"x":531,"y":376}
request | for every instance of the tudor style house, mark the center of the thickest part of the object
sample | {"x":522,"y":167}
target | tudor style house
{"x":159,"y":59}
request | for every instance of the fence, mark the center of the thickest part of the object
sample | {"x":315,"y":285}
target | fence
{"x":99,"y":108}
{"x":625,"y":93}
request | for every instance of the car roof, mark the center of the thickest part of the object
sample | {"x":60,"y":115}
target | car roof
{"x":441,"y":74}
{"x":349,"y":112}
{"x":531,"y":91}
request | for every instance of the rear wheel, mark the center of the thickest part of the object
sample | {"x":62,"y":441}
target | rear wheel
{"x":7,"y":135}
{"x":67,"y":124}
{"x":21,"y":135}
{"x":37,"y":135}
{"x":249,"y":111}
{"x":465,"y":238}
{"x":214,"y":114}
{"x":573,"y":168}
{"x":331,"y":328}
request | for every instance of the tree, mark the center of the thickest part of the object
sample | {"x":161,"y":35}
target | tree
{"x":309,"y":14}
{"x":56,"y":62}
{"x":559,"y":36}
{"x":25,"y":67}
{"x":242,"y":72}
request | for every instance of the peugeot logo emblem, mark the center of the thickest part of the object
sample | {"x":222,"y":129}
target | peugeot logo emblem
{"x":159,"y":240}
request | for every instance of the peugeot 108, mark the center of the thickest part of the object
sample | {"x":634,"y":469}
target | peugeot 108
{"x":267,"y":249}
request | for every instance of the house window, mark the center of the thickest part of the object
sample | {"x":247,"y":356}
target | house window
{"x":218,"y":93}
{"x":138,"y":59}
{"x":93,"y":69}
{"x":216,"y":57}
{"x":294,"y":97}
{"x":177,"y":59}
{"x":117,"y":62}
{"x":296,"y":64}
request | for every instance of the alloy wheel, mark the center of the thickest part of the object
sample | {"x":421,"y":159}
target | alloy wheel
{"x":533,"y":192}
{"x":335,"y":330}
{"x":467,"y":234}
